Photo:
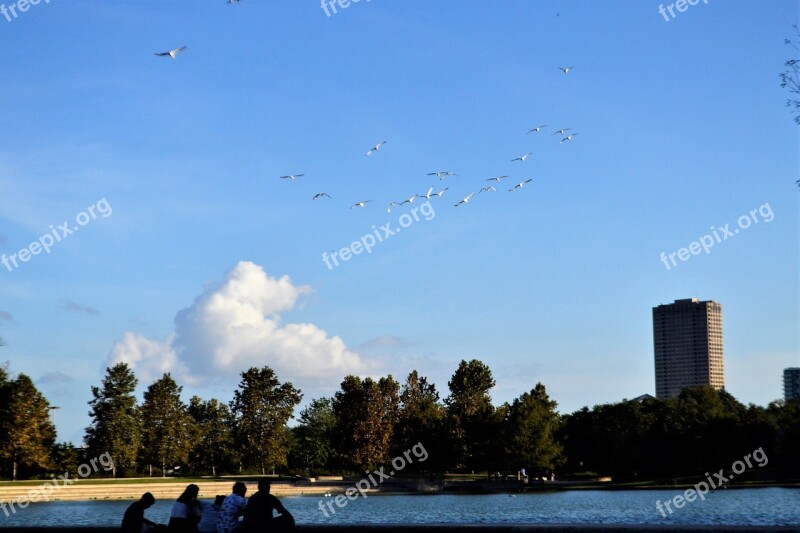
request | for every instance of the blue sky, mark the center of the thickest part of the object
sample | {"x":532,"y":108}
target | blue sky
{"x":682,"y":127}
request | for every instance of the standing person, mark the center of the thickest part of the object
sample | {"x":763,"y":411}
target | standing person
{"x":185,"y":512}
{"x":209,"y":515}
{"x":134,"y":521}
{"x":258,"y":515}
{"x":232,"y":508}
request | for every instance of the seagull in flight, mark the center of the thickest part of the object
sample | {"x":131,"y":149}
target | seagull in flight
{"x":561,"y":132}
{"x":440,"y":193}
{"x":522,"y":157}
{"x":465,"y":200}
{"x":389,"y":209}
{"x":321,"y":195}
{"x":442,"y":175}
{"x":569,"y":137}
{"x":565,"y":70}
{"x":520,"y":185}
{"x":428,"y":194}
{"x":292,"y":177}
{"x":171,"y":53}
{"x":360,"y":204}
{"x":536,"y":129}
{"x":487,"y":189}
{"x":376,"y":148}
{"x":410,"y":200}
{"x":497,"y":179}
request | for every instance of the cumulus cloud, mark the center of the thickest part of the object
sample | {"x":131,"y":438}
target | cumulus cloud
{"x":235,"y":325}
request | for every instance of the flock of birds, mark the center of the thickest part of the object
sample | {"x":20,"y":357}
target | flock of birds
{"x":442,"y":174}
{"x":566,"y":137}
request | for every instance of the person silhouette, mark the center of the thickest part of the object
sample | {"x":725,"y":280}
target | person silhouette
{"x":258,"y":517}
{"x":134,"y":521}
{"x":185,"y":512}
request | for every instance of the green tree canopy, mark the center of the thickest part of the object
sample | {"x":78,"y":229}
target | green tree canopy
{"x":28,"y":434}
{"x":366,"y":414}
{"x":168,"y":431}
{"x":214,"y":445}
{"x":116,"y":426}
{"x":261,"y":407}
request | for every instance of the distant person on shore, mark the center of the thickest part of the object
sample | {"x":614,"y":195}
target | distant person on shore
{"x":209,"y":515}
{"x":232,"y":509}
{"x":258,"y":517}
{"x":185,"y":512}
{"x":134,"y":521}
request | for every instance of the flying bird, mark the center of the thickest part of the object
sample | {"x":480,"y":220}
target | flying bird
{"x":561,"y":132}
{"x":428,"y":194}
{"x":360,"y":204}
{"x":389,"y":209}
{"x":565,"y":70}
{"x":443,"y":174}
{"x":465,"y":200}
{"x":487,"y":189}
{"x":569,"y":137}
{"x":376,"y":147}
{"x":520,"y":185}
{"x":522,"y":157}
{"x":171,"y":53}
{"x":410,"y":200}
{"x":440,"y":193}
{"x":497,"y":179}
{"x":321,"y":195}
{"x":291,"y":176}
{"x":536,"y":129}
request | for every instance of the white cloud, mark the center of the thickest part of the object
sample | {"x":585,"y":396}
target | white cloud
{"x":235,"y":325}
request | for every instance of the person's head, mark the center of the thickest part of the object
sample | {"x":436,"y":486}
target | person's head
{"x":239,"y":489}
{"x":219,"y":499}
{"x":264,"y":484}
{"x":147,"y":500}
{"x":189,"y":494}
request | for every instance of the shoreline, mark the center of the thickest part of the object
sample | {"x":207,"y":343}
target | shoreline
{"x":86,"y":490}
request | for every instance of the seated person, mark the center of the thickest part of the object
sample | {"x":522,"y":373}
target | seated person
{"x":209,"y":514}
{"x":134,"y":520}
{"x":232,"y":509}
{"x":258,"y":514}
{"x":185,"y":511}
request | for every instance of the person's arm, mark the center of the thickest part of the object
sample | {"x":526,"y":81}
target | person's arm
{"x":279,"y":507}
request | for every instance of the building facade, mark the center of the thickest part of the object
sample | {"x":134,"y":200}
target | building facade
{"x":791,"y":383}
{"x":687,"y":338}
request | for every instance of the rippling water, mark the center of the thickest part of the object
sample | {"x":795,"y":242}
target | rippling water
{"x":767,"y":506}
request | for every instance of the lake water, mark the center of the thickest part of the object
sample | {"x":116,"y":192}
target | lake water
{"x":766,"y":506}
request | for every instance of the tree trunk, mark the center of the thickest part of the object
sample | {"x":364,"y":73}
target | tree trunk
{"x":214,"y":470}
{"x":14,"y":471}
{"x":163,"y":469}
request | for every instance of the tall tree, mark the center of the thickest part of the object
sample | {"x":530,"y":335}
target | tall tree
{"x":214,"y":444}
{"x":315,"y":449}
{"x":28,"y":433}
{"x":422,"y":419}
{"x":168,"y":430}
{"x":366,"y":414}
{"x":261,"y":407}
{"x":471,"y":415}
{"x":531,"y":426}
{"x":116,"y":426}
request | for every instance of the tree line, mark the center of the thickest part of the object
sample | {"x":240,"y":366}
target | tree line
{"x":367,"y":422}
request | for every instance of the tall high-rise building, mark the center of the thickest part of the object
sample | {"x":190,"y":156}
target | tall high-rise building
{"x":687,"y":337}
{"x":791,"y":383}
